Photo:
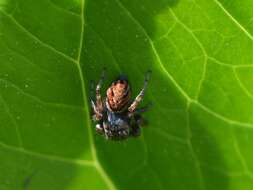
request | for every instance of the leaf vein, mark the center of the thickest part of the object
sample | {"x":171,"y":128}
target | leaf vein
{"x":28,"y":60}
{"x":19,"y":137}
{"x":47,"y":157}
{"x":201,"y":47}
{"x":43,"y":102}
{"x":35,"y":38}
{"x":191,"y":148}
{"x":221,"y":117}
{"x":243,"y":161}
{"x":250,"y":95}
{"x":169,"y":136}
{"x":98,"y":166}
{"x":62,"y":9}
{"x":234,"y":20}
{"x":108,"y":49}
{"x":221,"y":171}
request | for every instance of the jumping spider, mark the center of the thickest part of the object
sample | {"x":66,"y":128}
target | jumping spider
{"x":118,"y":117}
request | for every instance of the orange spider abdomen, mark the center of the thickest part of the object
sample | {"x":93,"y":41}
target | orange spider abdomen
{"x":118,"y":95}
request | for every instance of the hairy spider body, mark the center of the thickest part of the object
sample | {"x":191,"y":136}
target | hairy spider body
{"x":118,"y":95}
{"x":117,"y":116}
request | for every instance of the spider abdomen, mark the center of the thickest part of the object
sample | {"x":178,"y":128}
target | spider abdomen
{"x":118,"y":95}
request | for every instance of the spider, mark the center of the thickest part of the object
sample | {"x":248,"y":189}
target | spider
{"x":117,"y":116}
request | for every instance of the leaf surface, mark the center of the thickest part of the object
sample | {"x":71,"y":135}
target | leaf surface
{"x":200,"y":127}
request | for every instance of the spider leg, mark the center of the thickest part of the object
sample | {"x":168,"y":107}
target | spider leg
{"x":135,"y":130}
{"x":93,"y":106}
{"x":107,"y":132}
{"x":140,"y":96}
{"x":138,"y":111}
{"x":99,"y":102}
{"x":138,"y":120}
{"x":96,"y":115}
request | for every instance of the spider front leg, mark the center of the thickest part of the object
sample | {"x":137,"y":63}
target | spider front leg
{"x":140,"y":96}
{"x":96,"y":114}
{"x":138,"y":111}
{"x":99,"y":101}
{"x":98,"y":107}
{"x":137,"y":115}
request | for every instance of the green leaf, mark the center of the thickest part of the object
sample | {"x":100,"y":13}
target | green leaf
{"x":200,"y":127}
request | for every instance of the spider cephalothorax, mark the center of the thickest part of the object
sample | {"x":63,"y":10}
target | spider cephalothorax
{"x":117,"y":116}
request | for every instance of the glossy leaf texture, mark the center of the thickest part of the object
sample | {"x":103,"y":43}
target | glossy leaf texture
{"x":200,"y":129}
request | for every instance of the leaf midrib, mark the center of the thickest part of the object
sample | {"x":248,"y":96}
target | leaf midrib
{"x":96,"y":162}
